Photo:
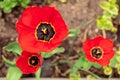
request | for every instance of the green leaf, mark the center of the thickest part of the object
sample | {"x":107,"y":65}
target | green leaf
{"x":86,"y":65}
{"x":37,"y":74}
{"x":13,"y":73}
{"x":12,"y":5}
{"x":111,"y":8}
{"x":113,"y":62}
{"x":118,"y":69}
{"x":73,"y":32}
{"x":112,"y":1}
{"x":25,"y":1}
{"x":107,"y":70}
{"x":8,"y":62}
{"x":74,"y":75}
{"x":3,"y":4}
{"x":79,"y":63}
{"x":55,"y":51}
{"x":90,"y":77}
{"x":24,"y":5}
{"x":82,"y":63}
{"x":13,"y":47}
{"x":7,"y":10}
{"x":104,"y":23}
{"x":96,"y":65}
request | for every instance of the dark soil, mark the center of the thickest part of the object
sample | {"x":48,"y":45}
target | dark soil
{"x":74,"y":14}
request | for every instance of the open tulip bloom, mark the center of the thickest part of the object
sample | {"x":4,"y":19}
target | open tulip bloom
{"x":28,"y":62}
{"x":99,"y":50}
{"x":40,"y":29}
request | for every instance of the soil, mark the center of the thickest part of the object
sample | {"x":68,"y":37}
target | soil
{"x":75,"y":15}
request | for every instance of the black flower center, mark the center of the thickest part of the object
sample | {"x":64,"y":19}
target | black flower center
{"x":45,"y":32}
{"x":97,"y":52}
{"x":34,"y":60}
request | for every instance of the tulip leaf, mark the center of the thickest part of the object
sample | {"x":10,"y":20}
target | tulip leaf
{"x":73,"y":32}
{"x":8,"y":62}
{"x":113,"y":62}
{"x":74,"y":75}
{"x":55,"y":51}
{"x":82,"y":63}
{"x":13,"y":47}
{"x":13,"y":73}
{"x":37,"y":74}
{"x":96,"y":65}
{"x":86,"y":65}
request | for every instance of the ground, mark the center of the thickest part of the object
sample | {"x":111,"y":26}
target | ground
{"x":75,"y":15}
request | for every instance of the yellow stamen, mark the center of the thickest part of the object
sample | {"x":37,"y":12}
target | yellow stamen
{"x":97,"y":52}
{"x":44,"y":30}
{"x":33,"y":61}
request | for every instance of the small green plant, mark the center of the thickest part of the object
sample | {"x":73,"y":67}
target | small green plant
{"x":110,"y":11}
{"x":8,"y":5}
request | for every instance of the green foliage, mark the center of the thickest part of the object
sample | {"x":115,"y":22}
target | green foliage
{"x":55,"y":51}
{"x":73,"y":32}
{"x":115,"y":61}
{"x":110,"y":11}
{"x":107,"y":70}
{"x":13,"y":73}
{"x":90,"y":77}
{"x":8,"y":62}
{"x":82,"y":63}
{"x":8,"y":5}
{"x":13,"y":47}
{"x":118,"y":69}
{"x":96,"y":65}
{"x":37,"y":74}
{"x":74,"y":75}
{"x":110,"y":7}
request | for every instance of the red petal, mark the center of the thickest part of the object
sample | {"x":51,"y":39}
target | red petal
{"x":59,"y":26}
{"x":23,"y":30}
{"x":89,"y":57}
{"x":46,"y":47}
{"x":106,"y":58}
{"x":106,"y":45}
{"x":97,"y":40}
{"x":88,"y":44}
{"x":30,"y":44}
{"x":104,"y":61}
{"x":32,"y":16}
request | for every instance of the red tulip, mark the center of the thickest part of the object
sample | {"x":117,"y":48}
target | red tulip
{"x":41,"y":29}
{"x":99,"y":50}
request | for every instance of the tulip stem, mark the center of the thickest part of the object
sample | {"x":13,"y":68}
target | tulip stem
{"x":99,"y":78}
{"x":104,"y":33}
